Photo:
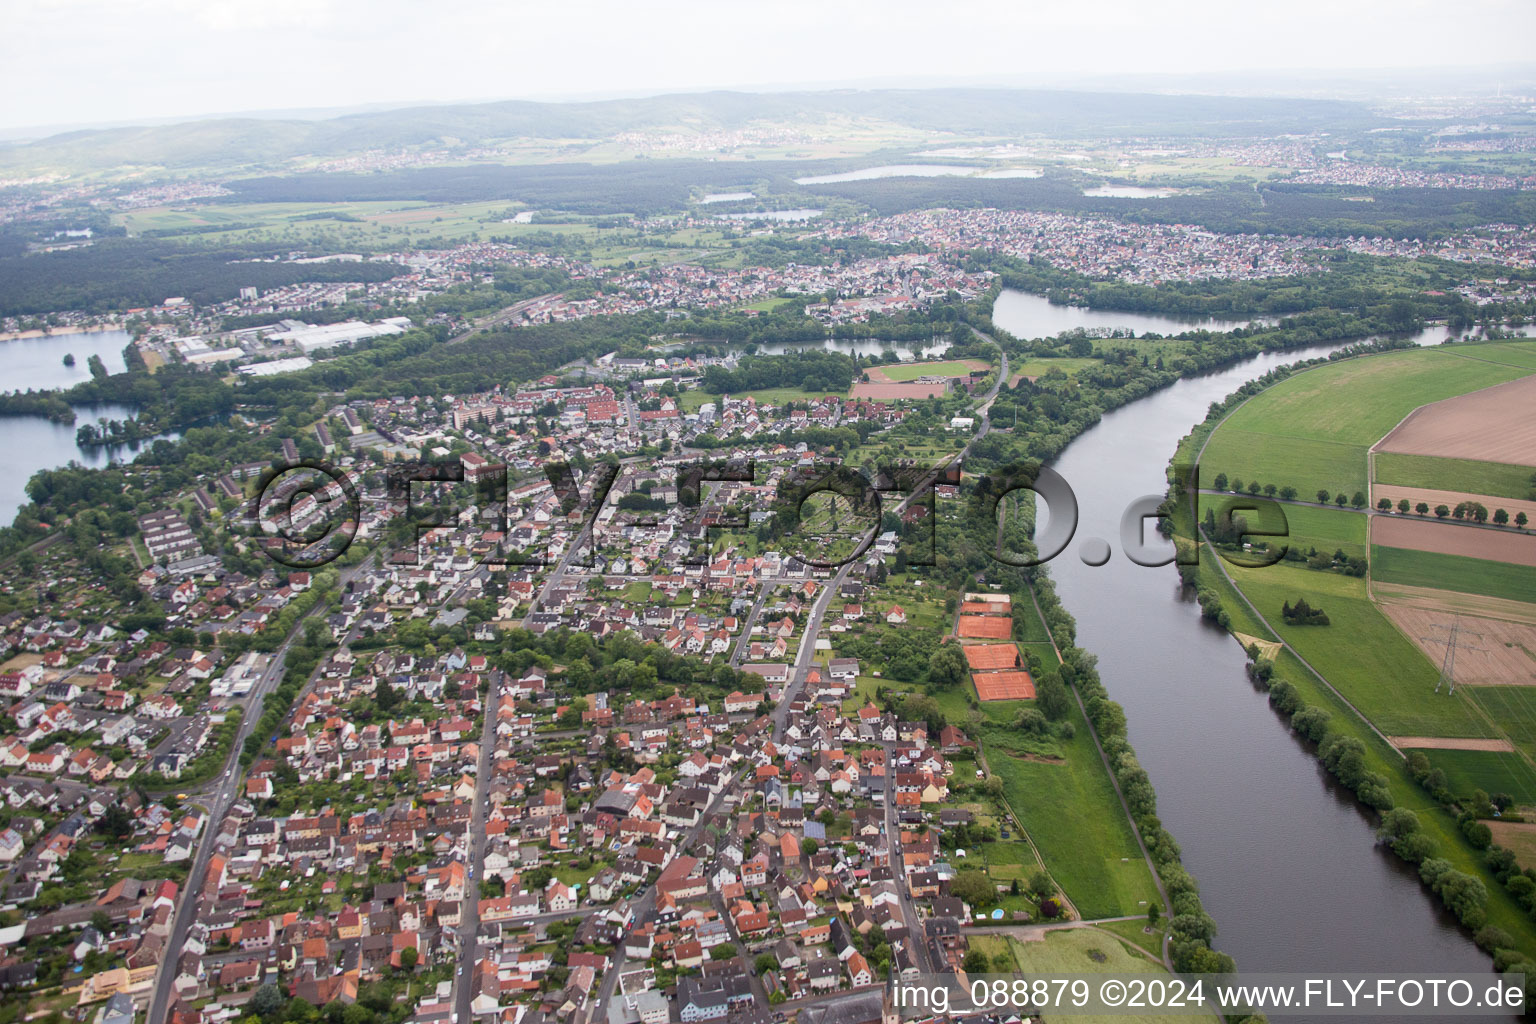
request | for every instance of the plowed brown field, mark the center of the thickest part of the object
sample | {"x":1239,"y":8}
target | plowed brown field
{"x":1496,"y":424}
{"x":1508,"y":655}
{"x":1497,"y":545}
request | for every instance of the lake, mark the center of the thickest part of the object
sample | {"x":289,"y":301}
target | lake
{"x":726,"y":197}
{"x":33,"y":443}
{"x":889,"y":171}
{"x":39,"y":362}
{"x":1033,"y":316}
{"x":906,"y":350}
{"x":1129,"y":192}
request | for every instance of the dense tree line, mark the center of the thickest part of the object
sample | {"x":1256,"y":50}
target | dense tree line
{"x":1351,"y":283}
{"x":118,"y":274}
{"x":812,"y":370}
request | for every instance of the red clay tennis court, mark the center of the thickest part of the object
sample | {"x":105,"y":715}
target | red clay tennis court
{"x":984,"y":608}
{"x":1015,"y":685}
{"x":991,"y":657}
{"x":985,"y":627}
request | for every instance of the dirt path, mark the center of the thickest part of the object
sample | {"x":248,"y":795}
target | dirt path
{"x":1451,"y":743}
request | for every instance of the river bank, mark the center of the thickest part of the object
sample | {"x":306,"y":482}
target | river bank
{"x":1380,"y":777}
{"x":1274,"y":841}
{"x":54,"y":332}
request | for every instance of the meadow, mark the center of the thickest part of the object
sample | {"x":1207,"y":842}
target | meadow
{"x":1305,"y":527}
{"x":1074,"y":817}
{"x":1490,"y":771}
{"x":1453,"y":572}
{"x":1361,"y":652}
{"x":1495,"y":479}
{"x":1313,"y":430}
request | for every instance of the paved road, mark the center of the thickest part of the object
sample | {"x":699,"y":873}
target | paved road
{"x":226,"y":791}
{"x":744,"y":643}
{"x":915,"y":934}
{"x":644,"y":902}
{"x":469,"y":911}
{"x":499,"y":318}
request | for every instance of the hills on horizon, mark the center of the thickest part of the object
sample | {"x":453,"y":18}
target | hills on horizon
{"x":963,"y":113}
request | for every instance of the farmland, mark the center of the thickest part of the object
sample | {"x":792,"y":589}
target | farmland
{"x":1453,"y":572}
{"x":1313,"y":430}
{"x":1493,"y":423}
{"x":1477,"y":543}
{"x":1361,"y":652}
{"x":1472,"y":476}
{"x":1490,"y":771}
{"x":1508,"y":649}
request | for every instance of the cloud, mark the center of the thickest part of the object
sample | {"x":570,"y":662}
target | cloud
{"x":71,"y":61}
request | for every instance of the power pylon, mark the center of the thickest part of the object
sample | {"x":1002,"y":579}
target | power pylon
{"x":1451,"y":642}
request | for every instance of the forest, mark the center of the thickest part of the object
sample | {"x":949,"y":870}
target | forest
{"x":116,"y":274}
{"x":813,"y":370}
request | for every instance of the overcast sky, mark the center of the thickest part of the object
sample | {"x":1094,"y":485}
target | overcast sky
{"x":100,"y":61}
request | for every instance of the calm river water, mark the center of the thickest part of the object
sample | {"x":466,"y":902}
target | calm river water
{"x":1286,"y":860}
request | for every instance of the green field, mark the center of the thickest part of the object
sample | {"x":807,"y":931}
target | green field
{"x":1495,"y":479}
{"x":912,"y":371}
{"x":1313,"y":430}
{"x":1040,"y":367}
{"x":376,"y":226}
{"x":1305,"y":527}
{"x":1074,"y":817}
{"x":1453,"y":572}
{"x":1069,"y":951}
{"x":1490,"y":771}
{"x":1090,"y":951}
{"x":1360,"y":652}
{"x":1511,"y":353}
{"x":689,"y":401}
{"x":769,"y":305}
{"x":1513,"y":707}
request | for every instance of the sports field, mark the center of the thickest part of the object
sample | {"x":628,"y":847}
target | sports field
{"x":912,"y":371}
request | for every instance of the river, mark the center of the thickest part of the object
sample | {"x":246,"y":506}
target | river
{"x":1286,"y":859}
